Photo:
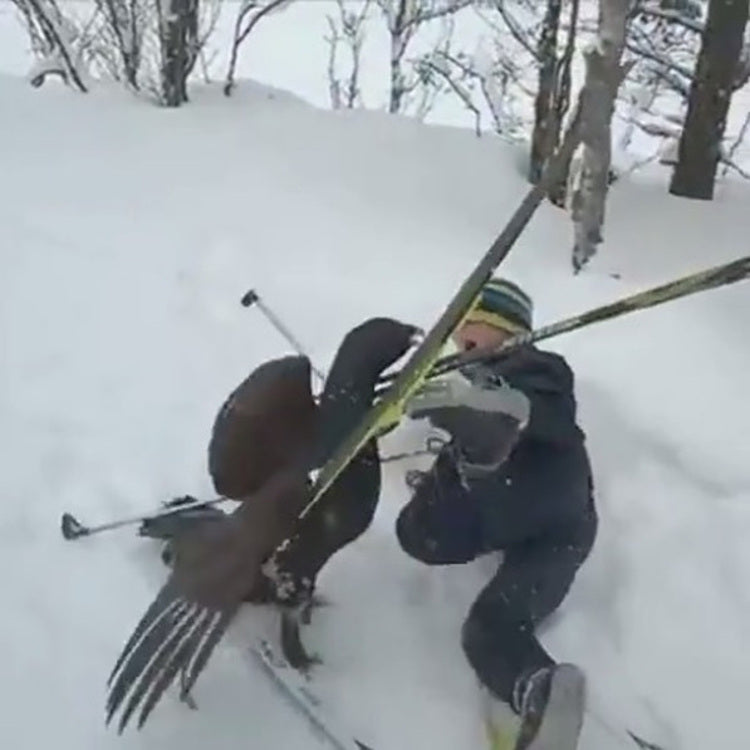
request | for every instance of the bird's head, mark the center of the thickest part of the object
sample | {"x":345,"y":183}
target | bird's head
{"x":363,"y":355}
{"x":368,"y":349}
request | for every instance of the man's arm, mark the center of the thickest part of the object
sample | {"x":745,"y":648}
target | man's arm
{"x":548,"y":382}
{"x":467,"y":487}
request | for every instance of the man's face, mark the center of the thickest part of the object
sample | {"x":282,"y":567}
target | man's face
{"x":479,"y":335}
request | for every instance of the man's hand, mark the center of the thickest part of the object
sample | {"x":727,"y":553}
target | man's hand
{"x":485,"y":421}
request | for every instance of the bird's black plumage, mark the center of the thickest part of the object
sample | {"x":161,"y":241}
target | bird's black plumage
{"x":216,"y":564}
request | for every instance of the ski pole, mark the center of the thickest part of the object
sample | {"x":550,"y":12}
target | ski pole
{"x":72,"y":528}
{"x":722,"y":275}
{"x":253,"y":298}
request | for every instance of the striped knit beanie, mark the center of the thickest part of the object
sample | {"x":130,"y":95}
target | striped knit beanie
{"x":504,"y":305}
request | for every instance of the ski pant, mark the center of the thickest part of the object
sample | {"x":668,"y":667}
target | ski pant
{"x":498,"y":634}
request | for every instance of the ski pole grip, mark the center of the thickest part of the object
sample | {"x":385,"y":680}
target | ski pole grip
{"x":250,"y":298}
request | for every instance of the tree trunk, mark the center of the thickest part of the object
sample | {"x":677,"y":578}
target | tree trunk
{"x":558,"y":193}
{"x":399,"y":35}
{"x":544,"y":138}
{"x":179,"y":41}
{"x":710,"y":95}
{"x":604,"y":74}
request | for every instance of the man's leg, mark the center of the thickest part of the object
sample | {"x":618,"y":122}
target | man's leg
{"x":433,"y":533}
{"x":498,"y":635}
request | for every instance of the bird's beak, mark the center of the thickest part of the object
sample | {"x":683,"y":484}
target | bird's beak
{"x":417,"y":337}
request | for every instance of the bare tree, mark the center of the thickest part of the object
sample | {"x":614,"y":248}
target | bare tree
{"x":553,"y":95}
{"x":720,"y":65}
{"x":604,"y":74}
{"x":141,"y":43}
{"x":251,"y":12}
{"x":665,"y":37}
{"x":495,"y":80}
{"x":426,"y":83}
{"x":554,"y":85}
{"x":55,"y":41}
{"x":123,"y":31}
{"x":541,"y":139}
{"x":439,"y":64}
{"x":346,"y":29}
{"x":490,"y":81}
{"x":404,"y":17}
{"x":178,"y":22}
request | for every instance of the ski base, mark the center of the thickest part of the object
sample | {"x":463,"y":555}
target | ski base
{"x":294,"y":687}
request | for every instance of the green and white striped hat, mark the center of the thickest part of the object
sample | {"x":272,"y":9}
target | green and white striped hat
{"x":504,"y":305}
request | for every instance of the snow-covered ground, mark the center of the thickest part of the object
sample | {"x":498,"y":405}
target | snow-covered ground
{"x":129,"y":234}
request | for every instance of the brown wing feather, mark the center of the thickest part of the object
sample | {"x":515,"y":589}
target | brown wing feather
{"x":214,"y":567}
{"x":267,"y":423}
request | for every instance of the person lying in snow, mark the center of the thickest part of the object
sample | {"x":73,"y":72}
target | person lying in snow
{"x":515,"y":477}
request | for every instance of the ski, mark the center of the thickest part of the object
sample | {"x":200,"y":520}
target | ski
{"x":722,"y":275}
{"x":387,"y":411}
{"x":293,"y":686}
{"x":701,"y":281}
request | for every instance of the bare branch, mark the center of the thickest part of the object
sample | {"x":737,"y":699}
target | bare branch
{"x":403,"y":18}
{"x":733,"y":165}
{"x":352,"y":33}
{"x":461,"y":93}
{"x":738,"y":140}
{"x":514,"y":27}
{"x":60,"y":57}
{"x":241,"y":34}
{"x":426,"y":14}
{"x":665,"y":62}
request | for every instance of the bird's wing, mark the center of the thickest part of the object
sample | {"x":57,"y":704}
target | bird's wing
{"x":267,"y":422}
{"x":215,"y":566}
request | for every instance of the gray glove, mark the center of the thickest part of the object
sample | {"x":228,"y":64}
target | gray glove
{"x":485,"y":421}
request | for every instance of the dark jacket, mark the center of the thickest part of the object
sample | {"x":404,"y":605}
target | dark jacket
{"x":545,"y":486}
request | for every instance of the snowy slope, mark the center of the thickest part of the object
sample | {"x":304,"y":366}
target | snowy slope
{"x":129,"y":235}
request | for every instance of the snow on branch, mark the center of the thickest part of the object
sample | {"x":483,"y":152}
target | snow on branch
{"x":685,"y":19}
{"x":58,"y":43}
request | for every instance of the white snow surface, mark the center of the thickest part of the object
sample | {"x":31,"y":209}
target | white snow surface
{"x":129,"y":235}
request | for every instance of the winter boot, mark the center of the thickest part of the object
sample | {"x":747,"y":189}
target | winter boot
{"x":550,"y":702}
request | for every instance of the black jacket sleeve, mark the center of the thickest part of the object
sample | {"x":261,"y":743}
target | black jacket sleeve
{"x":545,"y":480}
{"x":548,"y":382}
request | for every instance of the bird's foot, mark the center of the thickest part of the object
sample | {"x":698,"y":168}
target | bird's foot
{"x":291,"y":641}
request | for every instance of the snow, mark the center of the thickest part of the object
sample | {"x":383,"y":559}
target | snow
{"x":130,"y":234}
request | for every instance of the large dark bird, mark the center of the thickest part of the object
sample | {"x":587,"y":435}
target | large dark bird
{"x":267,"y":437}
{"x":349,"y":505}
